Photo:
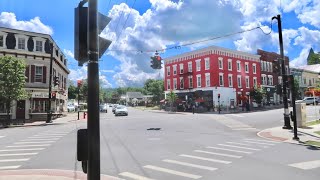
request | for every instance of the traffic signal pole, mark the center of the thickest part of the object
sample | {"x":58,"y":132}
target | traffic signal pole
{"x":287,"y":124}
{"x":50,"y":85}
{"x":93,"y":94}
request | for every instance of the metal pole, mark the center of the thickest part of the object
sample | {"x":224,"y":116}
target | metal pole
{"x":78,"y":108}
{"x":93,"y":95}
{"x":294,"y":115}
{"x":287,"y":124}
{"x":50,"y":85}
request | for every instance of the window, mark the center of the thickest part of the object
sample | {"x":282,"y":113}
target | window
{"x":270,"y":80}
{"x":267,"y":66}
{"x":280,"y":80}
{"x":199,"y":80}
{"x":38,"y":74}
{"x":181,"y":68}
{"x":254,"y":68}
{"x":174,"y":83}
{"x":39,"y":106}
{"x":207,"y":63}
{"x":239,"y":81}
{"x":247,"y":82}
{"x":221,"y":80}
{"x":246,"y":67}
{"x":220,"y":63}
{"x":287,"y":69}
{"x":190,"y":82}
{"x":174,"y":69}
{"x":1,"y":41}
{"x":39,"y":46}
{"x":21,"y":43}
{"x":168,"y":84}
{"x":181,"y":83}
{"x":207,"y":79}
{"x":230,"y":80}
{"x":168,"y":71}
{"x":229,"y":64}
{"x":198,"y":65}
{"x":189,"y":66}
{"x":255,"y":83}
{"x":304,"y":81}
{"x":271,"y":65}
{"x":263,"y":66}
{"x":263,"y":79}
{"x":238,"y":66}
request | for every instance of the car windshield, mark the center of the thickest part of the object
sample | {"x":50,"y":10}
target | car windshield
{"x":121,"y":107}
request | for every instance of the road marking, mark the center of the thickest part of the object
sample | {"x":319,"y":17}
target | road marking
{"x":2,"y":136}
{"x":240,"y":147}
{"x":306,"y":165}
{"x":34,"y":149}
{"x":276,"y":142}
{"x":8,"y":167}
{"x":53,"y":139}
{"x":190,"y":165}
{"x":20,"y":154}
{"x":13,"y":160}
{"x":252,"y":142}
{"x":34,"y":142}
{"x":51,"y":134}
{"x":38,"y":136}
{"x":178,"y":173}
{"x":244,"y":128}
{"x":236,"y":115}
{"x":239,"y":143}
{"x":134,"y":176}
{"x":30,"y":145}
{"x":219,"y":154}
{"x":206,"y":159}
{"x":154,"y":139}
{"x":231,"y":150}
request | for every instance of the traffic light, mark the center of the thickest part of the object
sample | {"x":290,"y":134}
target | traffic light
{"x":81,"y":46}
{"x":79,"y":83}
{"x":53,"y":95}
{"x":156,"y":61}
{"x":56,"y":81}
{"x":219,"y":96}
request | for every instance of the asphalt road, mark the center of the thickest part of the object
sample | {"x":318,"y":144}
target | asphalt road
{"x":199,"y":146}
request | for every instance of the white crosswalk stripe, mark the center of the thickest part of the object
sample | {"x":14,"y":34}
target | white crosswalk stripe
{"x":2,"y":136}
{"x":169,"y":171}
{"x":239,"y":147}
{"x":276,"y":142}
{"x":13,"y":160}
{"x":231,"y":150}
{"x":34,"y":142}
{"x":33,"y":149}
{"x":20,"y":154}
{"x":46,"y":136}
{"x":243,"y":144}
{"x":306,"y":165}
{"x":218,"y":154}
{"x":205,"y":159}
{"x":260,"y":143}
{"x":30,"y":145}
{"x":9,"y":167}
{"x":133,"y":176}
{"x":31,"y":139}
{"x":190,"y":165}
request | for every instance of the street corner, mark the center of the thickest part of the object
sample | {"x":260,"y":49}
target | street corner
{"x":274,"y":134}
{"x":47,"y":174}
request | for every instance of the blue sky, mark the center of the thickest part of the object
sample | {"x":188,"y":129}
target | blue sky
{"x":157,"y":24}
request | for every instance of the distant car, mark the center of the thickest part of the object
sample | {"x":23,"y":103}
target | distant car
{"x":71,"y":108}
{"x":103,"y":108}
{"x":114,"y":108}
{"x":309,"y":100}
{"x":121,"y":110}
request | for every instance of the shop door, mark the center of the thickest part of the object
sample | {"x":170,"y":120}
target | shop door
{"x":20,"y":114}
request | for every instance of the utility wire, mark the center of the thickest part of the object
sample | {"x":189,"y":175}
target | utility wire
{"x":125,"y":23}
{"x":116,"y":29}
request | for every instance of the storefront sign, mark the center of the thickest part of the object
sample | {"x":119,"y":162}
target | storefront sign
{"x":40,"y":95}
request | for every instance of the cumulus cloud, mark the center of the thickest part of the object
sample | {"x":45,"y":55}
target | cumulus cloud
{"x":301,"y":59}
{"x":68,"y":53}
{"x":9,"y":20}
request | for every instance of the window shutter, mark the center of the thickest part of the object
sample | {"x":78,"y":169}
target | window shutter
{"x":27,"y":74}
{"x":44,"y":74}
{"x":32,"y":73}
{"x":65,"y":83}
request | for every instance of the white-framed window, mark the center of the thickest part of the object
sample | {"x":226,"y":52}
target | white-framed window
{"x":255,"y":83}
{"x":207,"y":79}
{"x":263,"y":79}
{"x":270,"y":80}
{"x":207,"y":63}
{"x":230,"y":64}
{"x":287,"y":69}
{"x":1,"y":41}
{"x":246,"y":67}
{"x":221,"y":83}
{"x":247,"y":82}
{"x":198,"y":65}
{"x":271,"y":67}
{"x":238,"y":66}
{"x":262,"y":66}
{"x":168,"y":84}
{"x":190,"y":81}
{"x":220,"y":61}
{"x":254,"y":68}
{"x":39,"y":46}
{"x":230,"y":81}
{"x":181,"y":68}
{"x":190,"y":66}
{"x":239,"y":81}
{"x":174,"y":69}
{"x":38,"y":74}
{"x":199,"y":80}
{"x":181,"y":83}
{"x":168,"y":70}
{"x":280,"y":80}
{"x":267,"y":66}
{"x":174,"y":83}
{"x":21,"y":43}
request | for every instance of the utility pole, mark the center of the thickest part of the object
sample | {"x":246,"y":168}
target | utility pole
{"x":287,"y":124}
{"x":50,"y":85}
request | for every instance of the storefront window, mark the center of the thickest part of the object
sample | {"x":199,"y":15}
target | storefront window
{"x":39,"y":106}
{"x":2,"y":108}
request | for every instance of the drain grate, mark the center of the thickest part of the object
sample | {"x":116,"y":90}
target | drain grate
{"x":155,"y":129}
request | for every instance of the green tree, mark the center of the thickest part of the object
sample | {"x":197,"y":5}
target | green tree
{"x":297,"y":88}
{"x":155,"y":88}
{"x":314,"y":59}
{"x":257,"y":94}
{"x":12,"y":81}
{"x":72,"y":92}
{"x":172,"y":97}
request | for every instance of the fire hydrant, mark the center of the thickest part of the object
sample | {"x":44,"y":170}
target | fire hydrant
{"x":84,"y":115}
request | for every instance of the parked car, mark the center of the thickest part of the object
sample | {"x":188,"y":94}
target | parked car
{"x":71,"y":108}
{"x":309,"y":100}
{"x":114,"y":107}
{"x":103,"y":108}
{"x":121,"y":110}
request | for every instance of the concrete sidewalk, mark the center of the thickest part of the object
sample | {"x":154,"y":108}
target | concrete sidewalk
{"x":285,"y":135}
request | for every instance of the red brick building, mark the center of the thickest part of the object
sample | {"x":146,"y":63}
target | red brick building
{"x":199,"y":76}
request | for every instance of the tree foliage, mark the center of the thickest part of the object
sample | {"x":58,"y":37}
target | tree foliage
{"x":171,"y":97}
{"x":155,"y":88}
{"x":257,"y":94}
{"x":314,"y":59}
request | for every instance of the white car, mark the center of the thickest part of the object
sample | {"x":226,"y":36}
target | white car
{"x":71,"y":108}
{"x":121,"y":110}
{"x":308,"y":100}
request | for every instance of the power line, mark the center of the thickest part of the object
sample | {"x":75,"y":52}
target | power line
{"x":116,"y":29}
{"x":125,"y":23}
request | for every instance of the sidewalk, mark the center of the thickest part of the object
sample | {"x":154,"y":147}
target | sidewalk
{"x":306,"y":135}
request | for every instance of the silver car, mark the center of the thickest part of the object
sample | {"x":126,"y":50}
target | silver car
{"x":121,"y":110}
{"x":309,"y":100}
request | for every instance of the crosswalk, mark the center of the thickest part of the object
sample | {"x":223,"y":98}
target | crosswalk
{"x":195,"y":164}
{"x":14,"y":155}
{"x":234,"y":124}
{"x":306,"y":165}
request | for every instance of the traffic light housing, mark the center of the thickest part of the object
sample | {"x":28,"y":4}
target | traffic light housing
{"x":156,"y":62}
{"x":56,"y":81}
{"x":219,"y":96}
{"x":79,"y":83}
{"x":54,"y":95}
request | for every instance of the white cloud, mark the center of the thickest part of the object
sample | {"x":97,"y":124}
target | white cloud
{"x":9,"y":20}
{"x":80,"y":73}
{"x":104,"y":82}
{"x":68,"y":53}
{"x":301,"y":59}
{"x":108,"y":71}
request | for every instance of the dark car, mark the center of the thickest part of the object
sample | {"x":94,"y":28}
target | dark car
{"x":103,"y":108}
